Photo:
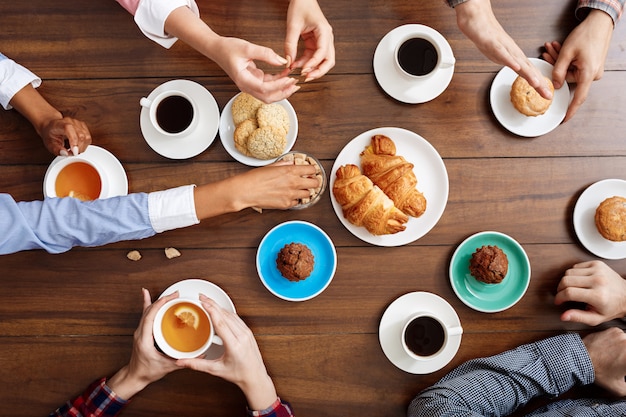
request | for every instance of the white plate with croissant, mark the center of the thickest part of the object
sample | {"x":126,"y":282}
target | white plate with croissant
{"x":389,"y":186}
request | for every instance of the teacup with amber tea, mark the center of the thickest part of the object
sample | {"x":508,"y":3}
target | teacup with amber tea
{"x":78,"y":177}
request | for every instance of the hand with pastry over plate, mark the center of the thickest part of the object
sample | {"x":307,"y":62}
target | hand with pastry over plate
{"x":50,"y":124}
{"x":477,"y":21}
{"x":580,"y":59}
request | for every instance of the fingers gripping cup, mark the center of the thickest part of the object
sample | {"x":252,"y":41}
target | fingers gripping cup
{"x":172,"y":113}
{"x":183,"y":329}
{"x":425,"y":336}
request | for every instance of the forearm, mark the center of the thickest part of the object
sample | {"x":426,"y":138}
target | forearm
{"x":125,"y":385}
{"x":185,"y":25}
{"x":260,"y":392}
{"x":500,"y":384}
{"x":34,"y":108}
{"x":613,"y":8}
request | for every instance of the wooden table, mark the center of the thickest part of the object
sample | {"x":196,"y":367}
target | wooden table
{"x":68,"y":319}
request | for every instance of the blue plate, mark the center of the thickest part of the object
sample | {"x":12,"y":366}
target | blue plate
{"x":320,"y":245}
{"x":490,"y":298}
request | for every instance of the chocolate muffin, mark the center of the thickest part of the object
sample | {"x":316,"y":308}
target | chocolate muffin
{"x":489,"y":264}
{"x":295,"y":261}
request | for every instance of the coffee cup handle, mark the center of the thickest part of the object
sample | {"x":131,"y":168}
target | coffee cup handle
{"x":217,"y":340}
{"x":144,"y":102}
{"x":447,"y":61}
{"x":453,"y":331}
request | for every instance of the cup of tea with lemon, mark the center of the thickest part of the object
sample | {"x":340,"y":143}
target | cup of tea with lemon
{"x":183,"y":329}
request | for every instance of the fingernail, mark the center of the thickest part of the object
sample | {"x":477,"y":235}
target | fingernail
{"x":63,"y":152}
{"x":282,"y":60}
{"x":75,"y":150}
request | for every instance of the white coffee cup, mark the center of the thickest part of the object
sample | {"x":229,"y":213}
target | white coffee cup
{"x":166,"y":346}
{"x":424,"y":336}
{"x":173,"y":113}
{"x":419,"y":55}
{"x":81,"y":178}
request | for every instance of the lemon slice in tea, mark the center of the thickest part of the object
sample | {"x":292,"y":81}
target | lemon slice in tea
{"x":187,"y":316}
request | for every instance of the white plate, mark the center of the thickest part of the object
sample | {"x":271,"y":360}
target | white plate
{"x":516,"y":122}
{"x":115,"y":174}
{"x":227,"y":134}
{"x":396,"y":315}
{"x":389,"y":77}
{"x":584,"y":219}
{"x":432,"y":181}
{"x":192,"y":288}
{"x":195,"y":142}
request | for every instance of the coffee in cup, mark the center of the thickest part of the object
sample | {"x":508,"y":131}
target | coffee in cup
{"x":424,"y":336}
{"x":419,"y":55}
{"x":183,"y":329}
{"x":172,"y":113}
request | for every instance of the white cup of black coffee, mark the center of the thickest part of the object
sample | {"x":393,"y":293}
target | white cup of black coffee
{"x":172,"y":113}
{"x":418,"y":56}
{"x":424,"y":336}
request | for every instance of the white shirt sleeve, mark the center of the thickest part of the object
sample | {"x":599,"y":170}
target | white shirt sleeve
{"x":172,"y":209}
{"x":14,"y":77}
{"x":151,"y":16}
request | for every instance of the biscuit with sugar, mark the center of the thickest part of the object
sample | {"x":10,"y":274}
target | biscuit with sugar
{"x":242,"y":133}
{"x":610,"y":219}
{"x":527,"y":100}
{"x":273,"y":115}
{"x":244,"y":107}
{"x":267,"y":143}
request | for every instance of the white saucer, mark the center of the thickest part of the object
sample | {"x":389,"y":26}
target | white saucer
{"x":516,"y":122}
{"x":194,"y":143}
{"x":115,"y":174}
{"x":393,"y":320}
{"x":584,"y":219}
{"x":227,"y":134}
{"x":192,"y":288}
{"x":389,"y":78}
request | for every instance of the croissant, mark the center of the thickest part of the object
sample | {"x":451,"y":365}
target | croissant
{"x":364,"y":204}
{"x":393,"y":174}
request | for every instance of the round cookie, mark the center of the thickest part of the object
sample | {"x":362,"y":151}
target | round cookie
{"x":273,"y":115}
{"x":527,"y":100}
{"x":242,"y":133}
{"x":244,"y":107}
{"x":610,"y":219}
{"x":267,"y":143}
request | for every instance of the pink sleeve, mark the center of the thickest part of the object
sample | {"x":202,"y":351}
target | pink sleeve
{"x":130,"y":5}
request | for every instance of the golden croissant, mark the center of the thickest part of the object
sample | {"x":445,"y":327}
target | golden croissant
{"x":364,"y":204}
{"x":393,"y":174}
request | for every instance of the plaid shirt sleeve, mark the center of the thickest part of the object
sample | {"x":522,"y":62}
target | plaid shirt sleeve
{"x":278,"y":409}
{"x":454,"y":3}
{"x":97,"y":401}
{"x":500,"y":384}
{"x":613,"y":8}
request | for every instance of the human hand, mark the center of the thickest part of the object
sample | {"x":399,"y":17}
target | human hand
{"x":55,"y":131}
{"x":476,"y":20}
{"x":241,"y":362}
{"x":276,"y":186}
{"x":237,"y":58}
{"x":581,"y":58}
{"x":146,"y":364}
{"x":607,"y":351}
{"x":597,"y":285}
{"x":305,"y":19}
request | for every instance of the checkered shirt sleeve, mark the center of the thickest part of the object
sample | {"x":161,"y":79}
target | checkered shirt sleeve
{"x":97,"y":401}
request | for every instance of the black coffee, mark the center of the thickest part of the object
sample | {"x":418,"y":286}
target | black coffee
{"x":418,"y":56}
{"x":174,"y":114}
{"x":424,"y":336}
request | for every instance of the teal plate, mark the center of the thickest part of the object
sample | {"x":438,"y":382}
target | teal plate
{"x":324,"y":254}
{"x":490,"y":298}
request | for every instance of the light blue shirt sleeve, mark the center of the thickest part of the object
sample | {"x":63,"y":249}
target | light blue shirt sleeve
{"x":499,"y":385}
{"x":58,"y":224}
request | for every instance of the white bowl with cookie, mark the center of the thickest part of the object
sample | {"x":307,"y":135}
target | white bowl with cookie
{"x":255,"y":133}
